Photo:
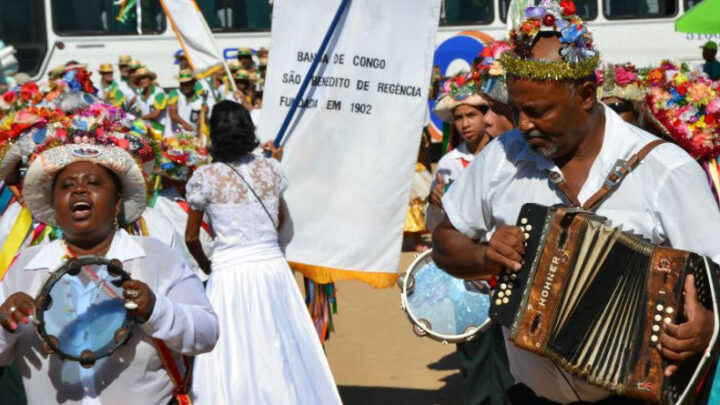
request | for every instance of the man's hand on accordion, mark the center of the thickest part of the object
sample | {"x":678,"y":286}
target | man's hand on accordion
{"x":681,"y":342}
{"x":505,"y":249}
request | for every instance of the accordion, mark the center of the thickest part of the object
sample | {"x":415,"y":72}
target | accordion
{"x":593,"y":299}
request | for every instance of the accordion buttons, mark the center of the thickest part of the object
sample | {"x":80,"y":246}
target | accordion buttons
{"x":513,"y":276}
{"x":658,"y":318}
{"x":498,"y":301}
{"x":508,"y":293}
{"x":669,"y":310}
{"x":656,"y":328}
{"x":501,"y":294}
{"x":668,"y":320}
{"x":659,"y":307}
{"x":527,"y":235}
{"x":506,"y":300}
{"x":528,"y":227}
{"x":654,"y":338}
{"x":523,"y":221}
{"x":503,"y":286}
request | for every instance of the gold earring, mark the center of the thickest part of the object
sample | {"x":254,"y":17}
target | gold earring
{"x":116,"y":223}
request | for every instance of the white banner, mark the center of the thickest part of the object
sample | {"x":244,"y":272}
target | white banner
{"x":193,"y":33}
{"x":352,"y":147}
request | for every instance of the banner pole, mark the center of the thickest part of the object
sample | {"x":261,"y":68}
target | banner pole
{"x":311,"y":71}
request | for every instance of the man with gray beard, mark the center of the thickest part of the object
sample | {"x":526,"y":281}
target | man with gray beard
{"x":565,"y":146}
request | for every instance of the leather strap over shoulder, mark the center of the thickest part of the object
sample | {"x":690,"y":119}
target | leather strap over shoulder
{"x":621,"y":169}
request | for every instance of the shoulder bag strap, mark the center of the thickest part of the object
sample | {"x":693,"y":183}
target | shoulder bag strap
{"x":622,"y":168}
{"x":254,"y":193}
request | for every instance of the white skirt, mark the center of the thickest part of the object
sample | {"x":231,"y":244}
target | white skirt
{"x":268,"y":351}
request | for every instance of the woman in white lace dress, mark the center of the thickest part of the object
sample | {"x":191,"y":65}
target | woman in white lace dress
{"x":268,"y":351}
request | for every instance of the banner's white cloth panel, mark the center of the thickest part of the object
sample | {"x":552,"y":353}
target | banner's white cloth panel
{"x":190,"y":28}
{"x":351,"y":150}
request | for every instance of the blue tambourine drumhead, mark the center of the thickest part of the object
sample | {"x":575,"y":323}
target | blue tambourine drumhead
{"x":443,"y":307}
{"x":80,"y":310}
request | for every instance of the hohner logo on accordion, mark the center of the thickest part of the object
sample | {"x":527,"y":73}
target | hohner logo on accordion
{"x":593,"y":300}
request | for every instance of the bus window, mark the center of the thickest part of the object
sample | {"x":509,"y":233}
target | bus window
{"x":99,"y":17}
{"x":22,"y":25}
{"x":237,"y":15}
{"x":639,"y":9}
{"x":586,"y":9}
{"x":691,"y":3}
{"x":466,"y":12}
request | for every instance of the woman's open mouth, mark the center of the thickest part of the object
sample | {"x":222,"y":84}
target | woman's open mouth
{"x":80,"y":210}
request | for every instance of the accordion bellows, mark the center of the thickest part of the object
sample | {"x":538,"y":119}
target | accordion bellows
{"x":593,"y":299}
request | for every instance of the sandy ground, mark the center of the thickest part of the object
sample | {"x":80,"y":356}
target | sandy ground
{"x":377,"y":359}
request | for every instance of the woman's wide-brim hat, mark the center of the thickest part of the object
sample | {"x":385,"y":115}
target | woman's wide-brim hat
{"x":447,"y":104}
{"x":38,"y":182}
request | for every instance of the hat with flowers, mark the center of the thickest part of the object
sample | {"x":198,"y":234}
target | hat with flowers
{"x":623,"y":81}
{"x":458,"y":90}
{"x":686,"y":109}
{"x":181,"y":155}
{"x":579,"y":56}
{"x":491,"y":72}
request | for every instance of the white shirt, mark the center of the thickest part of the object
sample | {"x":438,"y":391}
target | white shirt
{"x":666,"y":199}
{"x":182,"y":318}
{"x":450,"y":166}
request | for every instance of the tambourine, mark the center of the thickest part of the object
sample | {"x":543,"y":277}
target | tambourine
{"x":80,"y":310}
{"x":440,"y":306}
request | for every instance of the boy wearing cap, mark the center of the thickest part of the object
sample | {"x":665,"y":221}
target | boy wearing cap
{"x":711,"y":66}
{"x":185,"y":105}
{"x":109,"y":89}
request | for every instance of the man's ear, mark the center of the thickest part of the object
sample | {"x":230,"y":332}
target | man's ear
{"x":587,"y":94}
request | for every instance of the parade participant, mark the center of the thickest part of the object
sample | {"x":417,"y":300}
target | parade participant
{"x":269,"y":351}
{"x":151,"y":102}
{"x":244,"y":93}
{"x":245,"y":57}
{"x":621,"y":88}
{"x":226,"y":89}
{"x":185,"y":105}
{"x":415,"y":217}
{"x":711,"y":67}
{"x":458,"y":105}
{"x":565,"y":136}
{"x":109,"y":89}
{"x":86,"y":190}
{"x":125,"y":74}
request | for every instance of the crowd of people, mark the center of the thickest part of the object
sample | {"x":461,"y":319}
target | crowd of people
{"x":171,"y":185}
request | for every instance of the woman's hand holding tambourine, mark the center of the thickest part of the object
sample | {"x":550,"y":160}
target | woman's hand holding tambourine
{"x":139,"y":299}
{"x":16,"y":310}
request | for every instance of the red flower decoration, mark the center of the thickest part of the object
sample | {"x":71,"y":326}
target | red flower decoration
{"x":548,"y":20}
{"x":568,"y":7}
{"x":10,"y":97}
{"x":460,"y":80}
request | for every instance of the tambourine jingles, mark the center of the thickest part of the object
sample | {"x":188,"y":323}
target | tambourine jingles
{"x":80,"y":313}
{"x":440,"y":306}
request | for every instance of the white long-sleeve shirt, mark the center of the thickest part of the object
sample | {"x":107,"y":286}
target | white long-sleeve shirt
{"x":666,"y":199}
{"x":182,"y":318}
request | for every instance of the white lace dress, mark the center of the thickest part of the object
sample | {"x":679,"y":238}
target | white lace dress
{"x":268,"y":351}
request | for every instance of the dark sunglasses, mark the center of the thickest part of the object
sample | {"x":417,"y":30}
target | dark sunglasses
{"x":620,"y":107}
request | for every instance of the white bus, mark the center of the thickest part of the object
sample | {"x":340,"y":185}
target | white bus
{"x":50,"y":32}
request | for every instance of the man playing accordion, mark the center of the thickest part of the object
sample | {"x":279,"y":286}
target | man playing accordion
{"x":565,"y":145}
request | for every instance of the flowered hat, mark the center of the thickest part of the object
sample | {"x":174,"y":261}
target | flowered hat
{"x":456,"y":91}
{"x":621,"y":81}
{"x":38,"y":183}
{"x":83,"y":119}
{"x":579,"y":56}
{"x":181,"y":155}
{"x":686,"y":109}
{"x":492,"y":73}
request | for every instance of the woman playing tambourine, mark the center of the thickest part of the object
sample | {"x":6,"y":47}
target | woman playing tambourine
{"x":88,"y":191}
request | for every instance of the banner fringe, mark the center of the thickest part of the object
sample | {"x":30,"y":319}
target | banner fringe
{"x":326,"y":275}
